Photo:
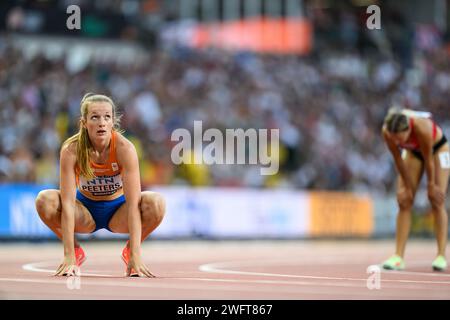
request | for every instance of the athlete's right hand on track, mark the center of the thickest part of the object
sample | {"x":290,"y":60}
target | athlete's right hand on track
{"x":138,"y":267}
{"x":405,"y":197}
{"x":68,"y":267}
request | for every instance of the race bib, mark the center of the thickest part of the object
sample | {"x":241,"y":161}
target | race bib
{"x":404,"y":154}
{"x":444,"y":159}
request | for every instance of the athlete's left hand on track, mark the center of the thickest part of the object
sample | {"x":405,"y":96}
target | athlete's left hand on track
{"x":138,"y":267}
{"x":68,"y":268}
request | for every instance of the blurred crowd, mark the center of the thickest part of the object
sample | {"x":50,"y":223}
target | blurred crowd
{"x":329,"y":107}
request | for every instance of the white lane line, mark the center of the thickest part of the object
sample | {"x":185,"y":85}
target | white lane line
{"x":56,"y":281}
{"x":38,"y":267}
{"x":301,"y":287}
{"x":332,"y":261}
{"x":140,"y":284}
{"x":219,"y":268}
{"x":416,"y":273}
{"x":225,"y":268}
{"x":151,"y":283}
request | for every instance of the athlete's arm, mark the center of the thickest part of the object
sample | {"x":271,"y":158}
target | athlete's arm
{"x":425,"y":138}
{"x":128,"y":159}
{"x":397,"y":159}
{"x":68,"y":194}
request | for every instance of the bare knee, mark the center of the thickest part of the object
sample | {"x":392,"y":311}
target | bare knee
{"x":153,"y":208}
{"x":48,"y":205}
{"x":405,"y":206}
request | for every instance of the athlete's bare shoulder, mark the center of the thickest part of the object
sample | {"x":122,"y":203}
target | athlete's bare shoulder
{"x":125,"y":151}
{"x":423,"y":126}
{"x":69,"y":149}
{"x":123,"y":144}
{"x":68,"y":155}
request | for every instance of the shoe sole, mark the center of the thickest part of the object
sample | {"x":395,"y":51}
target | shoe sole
{"x":392,"y":268}
{"x":438,"y":269}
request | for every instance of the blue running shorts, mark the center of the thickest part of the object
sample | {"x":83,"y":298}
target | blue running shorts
{"x":101,"y":211}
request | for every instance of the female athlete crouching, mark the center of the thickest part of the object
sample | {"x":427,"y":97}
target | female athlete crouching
{"x":100,"y":188}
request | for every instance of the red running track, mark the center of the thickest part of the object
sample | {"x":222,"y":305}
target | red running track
{"x":291,"y":270}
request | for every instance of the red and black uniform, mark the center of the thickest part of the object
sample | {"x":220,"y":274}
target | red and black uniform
{"x":413,"y":143}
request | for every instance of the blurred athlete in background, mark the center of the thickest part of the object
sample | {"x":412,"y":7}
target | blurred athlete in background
{"x":425,"y":147}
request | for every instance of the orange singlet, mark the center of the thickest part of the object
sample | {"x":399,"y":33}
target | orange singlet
{"x":107,"y":185}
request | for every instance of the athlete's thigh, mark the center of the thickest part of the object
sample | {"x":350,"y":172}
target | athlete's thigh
{"x":119,"y":221}
{"x":414,"y":167}
{"x":84,"y":223}
{"x":442,"y":167}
